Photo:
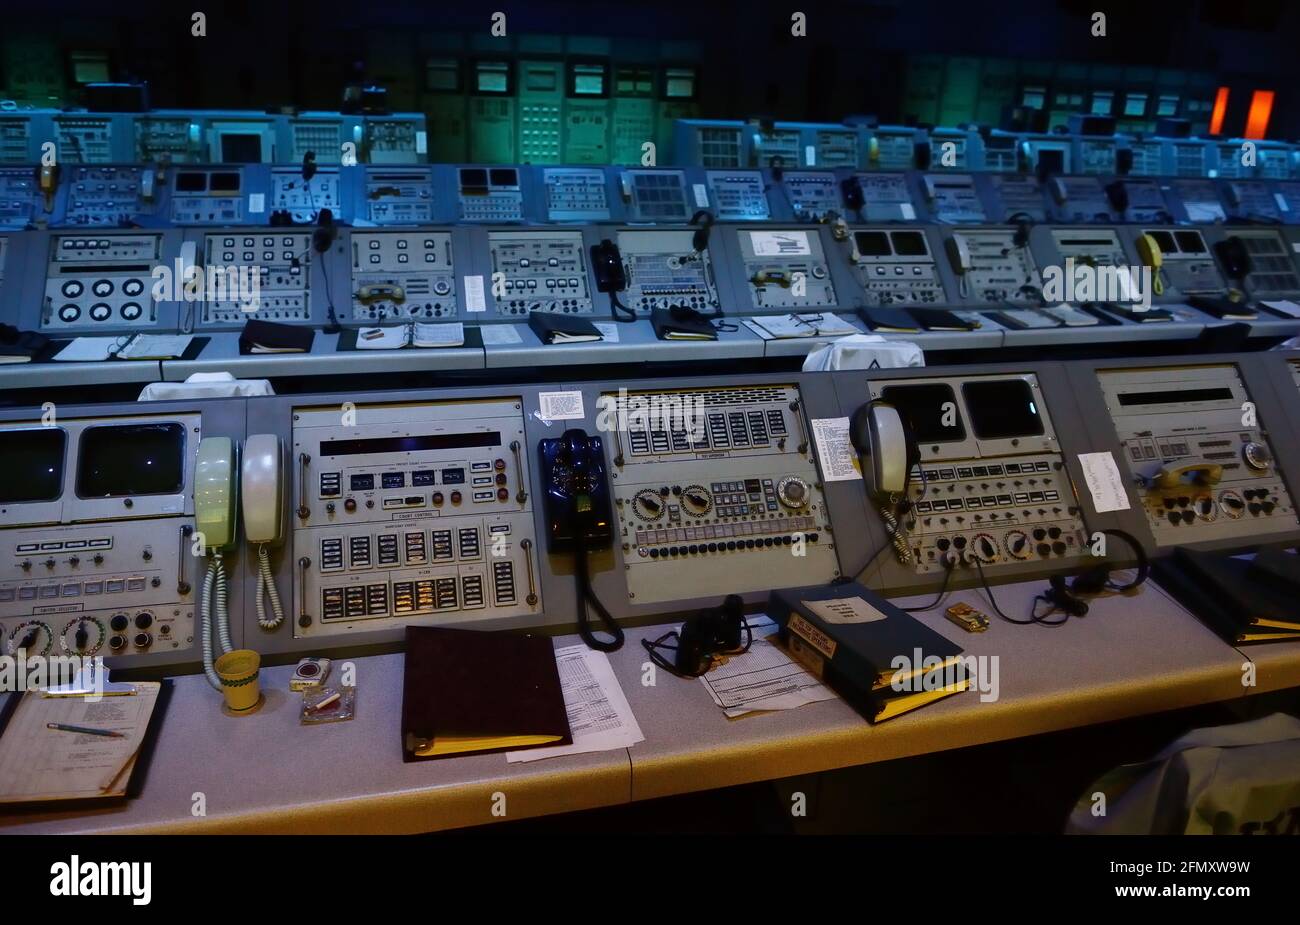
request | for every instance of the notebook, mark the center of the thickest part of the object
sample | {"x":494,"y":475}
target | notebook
{"x":551,"y":328}
{"x":1227,"y":596}
{"x":1225,"y":309}
{"x":786,"y":327}
{"x":126,"y":347}
{"x":1022,"y":319}
{"x":850,"y":637}
{"x":40,"y":765}
{"x":1150,"y":316}
{"x":21,"y":346}
{"x":938,"y":319}
{"x":411,"y":334}
{"x":889,"y":319}
{"x":1072,"y":317}
{"x":473,"y":692}
{"x":261,"y":336}
{"x":681,"y":324}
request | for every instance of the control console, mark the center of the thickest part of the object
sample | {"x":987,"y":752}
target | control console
{"x":415,"y":513}
{"x":716,"y":491}
{"x":1197,"y":456}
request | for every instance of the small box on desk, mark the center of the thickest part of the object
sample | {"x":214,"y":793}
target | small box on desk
{"x":880,"y":659}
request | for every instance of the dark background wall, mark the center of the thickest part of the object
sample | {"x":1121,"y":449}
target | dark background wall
{"x":267,"y":54}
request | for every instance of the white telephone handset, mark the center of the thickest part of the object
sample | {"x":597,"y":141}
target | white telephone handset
{"x":262,"y":491}
{"x":959,"y":256}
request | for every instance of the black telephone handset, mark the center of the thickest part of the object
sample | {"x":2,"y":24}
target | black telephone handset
{"x":879,"y":433}
{"x":579,"y":517}
{"x":611,"y":276}
{"x":1232,"y":253}
{"x":576,"y":498}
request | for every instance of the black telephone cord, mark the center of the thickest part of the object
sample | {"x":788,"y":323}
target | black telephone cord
{"x":585,"y":594}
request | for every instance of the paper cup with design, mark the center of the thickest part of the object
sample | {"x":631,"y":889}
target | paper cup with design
{"x":238,"y":671}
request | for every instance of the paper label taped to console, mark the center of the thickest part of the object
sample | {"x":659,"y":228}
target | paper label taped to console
{"x":1104,"y":481}
{"x":839,"y":462}
{"x":812,"y":635}
{"x":560,"y":406}
{"x":780,"y":243}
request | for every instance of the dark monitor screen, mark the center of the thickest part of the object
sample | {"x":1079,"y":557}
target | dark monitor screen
{"x":504,"y":176}
{"x":241,"y":148}
{"x":872,"y":243}
{"x":473,"y":178}
{"x":131,"y":459}
{"x":32,"y":463}
{"x":1051,"y":160}
{"x":1001,"y":409}
{"x":909,"y":243}
{"x":922,"y":408}
{"x":191,"y":181}
{"x":1190,"y":242}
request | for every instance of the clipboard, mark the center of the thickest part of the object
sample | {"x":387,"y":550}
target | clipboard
{"x":139,"y":769}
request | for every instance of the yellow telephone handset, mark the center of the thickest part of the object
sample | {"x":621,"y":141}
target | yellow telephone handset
{"x":1150,"y":255}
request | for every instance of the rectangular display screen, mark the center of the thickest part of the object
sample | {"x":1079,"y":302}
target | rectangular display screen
{"x":131,"y":459}
{"x":926,"y":410}
{"x":32,"y":461}
{"x":1173,"y":397}
{"x":360,"y":446}
{"x":872,"y":243}
{"x":1002,"y":409}
{"x":909,"y":243}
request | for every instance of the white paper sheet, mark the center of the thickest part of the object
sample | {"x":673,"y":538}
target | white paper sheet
{"x":499,"y":335}
{"x":600,"y":718}
{"x":764,"y":678}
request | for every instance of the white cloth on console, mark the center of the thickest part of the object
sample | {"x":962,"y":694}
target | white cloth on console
{"x":864,"y":351}
{"x":206,"y":385}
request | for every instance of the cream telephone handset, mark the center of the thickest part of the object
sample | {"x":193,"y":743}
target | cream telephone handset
{"x":1150,"y":255}
{"x":877,"y":431}
{"x":215,"y":513}
{"x":262,"y":493}
{"x":959,"y":256}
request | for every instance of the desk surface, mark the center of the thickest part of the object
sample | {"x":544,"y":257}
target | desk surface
{"x":265,"y":773}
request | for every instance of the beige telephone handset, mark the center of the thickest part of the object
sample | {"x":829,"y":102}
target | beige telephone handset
{"x":1150,"y":255}
{"x":877,"y":431}
{"x":188,"y":261}
{"x":215,"y":514}
{"x":958,"y":249}
{"x":262,"y":491}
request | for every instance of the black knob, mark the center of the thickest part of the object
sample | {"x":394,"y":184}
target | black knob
{"x":81,"y":637}
{"x":116,"y":642}
{"x":143,"y":620}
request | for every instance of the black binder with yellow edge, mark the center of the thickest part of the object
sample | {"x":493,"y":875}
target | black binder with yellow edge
{"x":1230,"y":596}
{"x":473,"y":692}
{"x":850,"y":637}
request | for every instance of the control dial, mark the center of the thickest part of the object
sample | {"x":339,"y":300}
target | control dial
{"x":82,"y":636}
{"x":793,"y":492}
{"x":696,"y":500}
{"x":33,"y":636}
{"x":1018,"y":545}
{"x":1257,"y":456}
{"x":648,"y":505}
{"x":1231,"y":503}
{"x":983,"y":549}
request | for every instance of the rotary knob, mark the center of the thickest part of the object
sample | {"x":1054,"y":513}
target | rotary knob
{"x":1257,"y":456}
{"x":696,"y":500}
{"x":1018,"y":545}
{"x":983,"y":549}
{"x":793,"y":492}
{"x":648,"y":505}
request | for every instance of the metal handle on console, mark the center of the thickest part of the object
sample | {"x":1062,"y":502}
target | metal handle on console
{"x":803,"y":434}
{"x":526,"y":545}
{"x":303,"y":619}
{"x":522,"y":496}
{"x":303,"y":510}
{"x":618,"y":445}
{"x":183,"y":586}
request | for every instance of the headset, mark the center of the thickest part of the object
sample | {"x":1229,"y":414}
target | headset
{"x":1066,"y":596}
{"x":718,"y":631}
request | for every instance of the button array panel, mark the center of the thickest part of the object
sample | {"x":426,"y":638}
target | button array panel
{"x":280,"y":264}
{"x":543,"y":271}
{"x":403,"y":275}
